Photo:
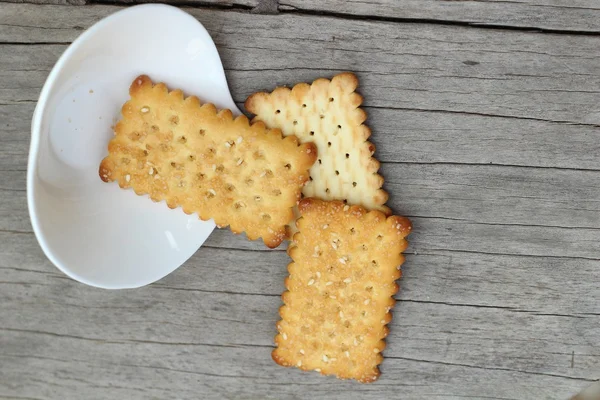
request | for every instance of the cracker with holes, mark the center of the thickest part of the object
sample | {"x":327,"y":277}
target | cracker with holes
{"x":205,"y":161}
{"x":328,"y":114}
{"x":345,"y":261}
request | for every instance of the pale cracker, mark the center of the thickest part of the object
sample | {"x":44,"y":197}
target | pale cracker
{"x":345,"y":261}
{"x":328,"y":114}
{"x":175,"y":149}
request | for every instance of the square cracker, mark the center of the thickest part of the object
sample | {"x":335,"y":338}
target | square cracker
{"x":345,"y":261}
{"x":328,"y":114}
{"x":192,"y":156}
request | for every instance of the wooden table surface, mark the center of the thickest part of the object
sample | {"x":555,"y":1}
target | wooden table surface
{"x":486,"y":116}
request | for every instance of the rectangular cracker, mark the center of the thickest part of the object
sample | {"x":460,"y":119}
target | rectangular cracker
{"x":345,"y":261}
{"x":205,"y":161}
{"x":328,"y":114}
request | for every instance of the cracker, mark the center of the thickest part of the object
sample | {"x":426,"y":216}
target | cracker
{"x":328,"y":114}
{"x":345,"y":261}
{"x":205,"y":161}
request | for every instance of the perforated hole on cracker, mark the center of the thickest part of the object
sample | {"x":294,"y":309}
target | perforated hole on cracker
{"x":203,"y":160}
{"x":345,"y":261}
{"x":328,"y":114}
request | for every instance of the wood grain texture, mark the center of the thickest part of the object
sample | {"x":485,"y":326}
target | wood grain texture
{"x":567,"y":15}
{"x":200,"y":336}
{"x":523,"y":75}
{"x":496,"y":163}
{"x":240,"y":4}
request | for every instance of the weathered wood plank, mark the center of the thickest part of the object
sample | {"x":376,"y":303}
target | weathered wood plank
{"x":581,"y":15}
{"x":183,"y":315}
{"x":243,"y":4}
{"x":239,"y":4}
{"x":498,"y":298}
{"x":542,"y":285}
{"x":234,"y":303}
{"x":563,"y":15}
{"x":68,"y":367}
{"x":497,"y":209}
{"x":499,"y":194}
{"x":409,"y":66}
{"x":491,"y":209}
{"x":440,"y":137}
{"x":511,"y":212}
{"x":426,"y":137}
{"x":455,"y":289}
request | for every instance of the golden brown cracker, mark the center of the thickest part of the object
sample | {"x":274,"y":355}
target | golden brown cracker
{"x":328,"y":114}
{"x":345,"y":261}
{"x":205,"y":161}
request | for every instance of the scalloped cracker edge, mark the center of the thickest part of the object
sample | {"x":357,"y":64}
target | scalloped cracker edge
{"x":203,"y":160}
{"x":328,"y":114}
{"x":345,"y":261}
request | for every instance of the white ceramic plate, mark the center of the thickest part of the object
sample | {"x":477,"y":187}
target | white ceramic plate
{"x":96,"y":232}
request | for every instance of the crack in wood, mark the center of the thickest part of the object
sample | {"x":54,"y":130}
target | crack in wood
{"x":366,"y":106}
{"x":501,"y":224}
{"x":189,"y":371}
{"x":414,"y":252}
{"x":263,"y":250}
{"x":52,"y":274}
{"x":123,"y":365}
{"x":269,"y":7}
{"x":16,"y":232}
{"x":48,"y":43}
{"x":493,"y":368}
{"x":289,"y":9}
{"x":490,"y":164}
{"x":225,"y":6}
{"x":228,"y":292}
{"x":130,"y":341}
{"x":493,"y":307}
